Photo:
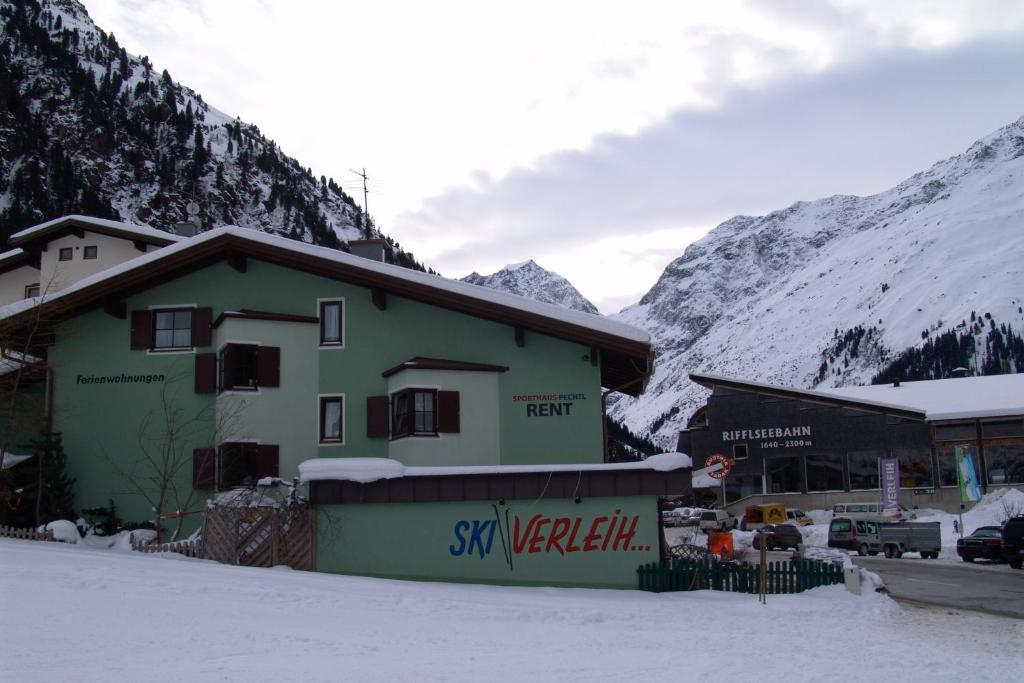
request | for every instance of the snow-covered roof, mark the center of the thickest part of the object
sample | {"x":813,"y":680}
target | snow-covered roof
{"x":365,"y":470}
{"x":950,"y":399}
{"x":552,"y":312}
{"x":101,"y":225}
{"x":11,"y":254}
{"x":937,"y":399}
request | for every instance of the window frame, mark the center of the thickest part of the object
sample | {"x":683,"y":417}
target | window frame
{"x":191,"y":310}
{"x":95,"y":252}
{"x":70,"y":251}
{"x":322,"y":401}
{"x":411,"y":430}
{"x":321,"y":304}
{"x":29,"y":288}
{"x":221,"y":365}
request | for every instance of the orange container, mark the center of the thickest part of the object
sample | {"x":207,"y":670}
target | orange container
{"x":720,"y":543}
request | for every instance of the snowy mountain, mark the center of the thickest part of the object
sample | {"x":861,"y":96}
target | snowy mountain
{"x":87,"y":128}
{"x":530,"y":280}
{"x":835,"y":291}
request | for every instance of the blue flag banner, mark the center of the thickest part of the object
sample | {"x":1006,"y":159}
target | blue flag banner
{"x":970,"y":490}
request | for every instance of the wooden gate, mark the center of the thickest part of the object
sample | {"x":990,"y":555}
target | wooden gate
{"x":261,"y":536}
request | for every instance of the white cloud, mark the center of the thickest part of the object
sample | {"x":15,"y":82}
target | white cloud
{"x":462,"y":101}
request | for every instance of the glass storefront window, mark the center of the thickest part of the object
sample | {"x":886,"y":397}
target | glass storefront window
{"x":863,"y":467}
{"x":785,"y":475}
{"x":824,"y":472}
{"x":1002,"y":428}
{"x":1005,"y":461}
{"x":739,"y":486}
{"x":915,"y":468}
{"x":947,"y":464}
{"x":965,"y":431}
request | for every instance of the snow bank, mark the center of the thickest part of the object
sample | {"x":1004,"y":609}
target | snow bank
{"x":257,"y":625}
{"x":992,"y":510}
{"x":365,"y":470}
{"x":63,"y":530}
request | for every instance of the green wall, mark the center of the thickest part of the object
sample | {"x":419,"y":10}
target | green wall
{"x":436,"y":541}
{"x":110,"y":428}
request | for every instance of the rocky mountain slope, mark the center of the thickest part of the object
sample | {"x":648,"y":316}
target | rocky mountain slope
{"x":87,"y":128}
{"x":530,"y":280}
{"x":839,"y":290}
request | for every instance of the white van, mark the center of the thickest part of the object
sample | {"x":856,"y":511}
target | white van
{"x":869,"y":511}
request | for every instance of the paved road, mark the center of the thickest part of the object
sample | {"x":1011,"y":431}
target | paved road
{"x":991,"y":588}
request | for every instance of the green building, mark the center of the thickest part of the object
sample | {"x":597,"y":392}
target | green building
{"x":225,"y":358}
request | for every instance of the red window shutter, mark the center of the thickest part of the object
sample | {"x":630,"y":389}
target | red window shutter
{"x":267,"y":461}
{"x":268,"y":366}
{"x":204,"y":467}
{"x":377,"y":417}
{"x":142,"y":329}
{"x":202,"y":326}
{"x":448,"y":412}
{"x":206,"y":373}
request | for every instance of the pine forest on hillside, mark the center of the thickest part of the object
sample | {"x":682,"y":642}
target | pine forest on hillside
{"x":87,"y":128}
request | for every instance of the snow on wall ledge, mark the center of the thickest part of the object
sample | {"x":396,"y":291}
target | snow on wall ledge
{"x":366,"y":470}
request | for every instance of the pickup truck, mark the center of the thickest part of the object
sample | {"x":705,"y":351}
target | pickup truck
{"x":892,"y":538}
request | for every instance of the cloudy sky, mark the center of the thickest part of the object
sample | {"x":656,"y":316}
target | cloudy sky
{"x":597,"y":138}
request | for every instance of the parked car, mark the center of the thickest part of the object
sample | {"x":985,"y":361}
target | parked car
{"x":858,"y":535}
{"x":986,"y":542}
{"x":1013,"y":541}
{"x":781,"y":536}
{"x":798,"y":517}
{"x":716,"y":520}
{"x":873,"y":511}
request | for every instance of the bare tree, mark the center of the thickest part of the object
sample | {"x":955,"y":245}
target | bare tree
{"x":161,"y":470}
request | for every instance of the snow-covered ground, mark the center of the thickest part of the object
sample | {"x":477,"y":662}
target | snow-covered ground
{"x":71,"y":612}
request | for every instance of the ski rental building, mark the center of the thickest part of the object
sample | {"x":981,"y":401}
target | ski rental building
{"x":462,"y":428}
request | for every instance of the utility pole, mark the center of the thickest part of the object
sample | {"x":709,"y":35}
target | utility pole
{"x":366,"y":203}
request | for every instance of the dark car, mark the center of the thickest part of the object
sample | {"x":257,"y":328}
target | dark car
{"x":780,"y":536}
{"x":1013,"y":541}
{"x":986,"y":542}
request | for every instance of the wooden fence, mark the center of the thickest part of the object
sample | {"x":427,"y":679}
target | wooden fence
{"x":261,"y":536}
{"x":709,"y":574}
{"x":186,"y":548}
{"x":25,"y":534}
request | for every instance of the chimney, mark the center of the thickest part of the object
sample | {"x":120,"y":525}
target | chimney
{"x":186,"y":229}
{"x":896,"y":384}
{"x":369,"y":249}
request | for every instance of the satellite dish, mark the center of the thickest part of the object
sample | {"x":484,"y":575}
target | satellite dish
{"x":192,"y":210}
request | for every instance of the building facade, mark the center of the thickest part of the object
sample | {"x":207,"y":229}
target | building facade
{"x":51,"y":256}
{"x":814,"y":449}
{"x":233,"y":356}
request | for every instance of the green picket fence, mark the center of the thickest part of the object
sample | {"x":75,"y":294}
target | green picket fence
{"x":710,"y":574}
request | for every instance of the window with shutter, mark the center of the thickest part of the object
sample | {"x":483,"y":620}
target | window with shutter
{"x":204,"y":469}
{"x":268,"y":366}
{"x":206,"y":373}
{"x":267,"y":463}
{"x":414,"y":413}
{"x":142,"y":329}
{"x":237,"y":464}
{"x":376,"y":417}
{"x":448,"y":412}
